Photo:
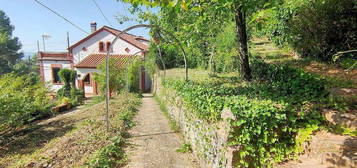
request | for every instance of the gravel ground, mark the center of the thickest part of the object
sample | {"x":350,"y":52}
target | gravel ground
{"x":152,"y":143}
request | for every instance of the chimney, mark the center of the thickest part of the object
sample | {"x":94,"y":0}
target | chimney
{"x":93,"y":27}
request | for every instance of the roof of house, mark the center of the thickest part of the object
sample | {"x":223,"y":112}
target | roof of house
{"x":60,"y":56}
{"x":132,"y":39}
{"x":93,"y":60}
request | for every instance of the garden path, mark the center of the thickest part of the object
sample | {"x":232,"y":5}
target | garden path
{"x":152,"y":143}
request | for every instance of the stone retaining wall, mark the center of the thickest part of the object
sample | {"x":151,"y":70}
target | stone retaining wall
{"x":208,"y":140}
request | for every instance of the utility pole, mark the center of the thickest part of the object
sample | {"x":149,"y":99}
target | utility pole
{"x":45,"y":37}
{"x":38,"y":46}
{"x":67,"y":39}
{"x":43,"y":42}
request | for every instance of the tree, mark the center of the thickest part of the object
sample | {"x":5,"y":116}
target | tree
{"x":9,"y":46}
{"x":207,"y":10}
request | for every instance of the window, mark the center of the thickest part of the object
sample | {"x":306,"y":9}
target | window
{"x":87,"y":79}
{"x":55,"y":77}
{"x":108,"y":46}
{"x":127,"y":50}
{"x":101,"y":47}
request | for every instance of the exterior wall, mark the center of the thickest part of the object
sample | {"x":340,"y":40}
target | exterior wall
{"x":47,"y":73}
{"x":81,"y":73}
{"x":92,"y":46}
{"x":78,"y":54}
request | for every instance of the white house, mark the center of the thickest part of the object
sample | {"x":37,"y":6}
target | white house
{"x":85,"y":55}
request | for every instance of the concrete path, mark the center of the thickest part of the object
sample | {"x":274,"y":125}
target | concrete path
{"x":153,"y":144}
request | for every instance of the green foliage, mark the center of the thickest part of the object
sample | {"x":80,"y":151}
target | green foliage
{"x":9,"y":46}
{"x":339,"y":129}
{"x":225,"y":50}
{"x":184,"y":148}
{"x":109,"y":156}
{"x":316,"y":29}
{"x":95,"y":100}
{"x":274,"y":114}
{"x":348,"y":63}
{"x":133,"y":73}
{"x":116,"y":77}
{"x":21,"y":101}
{"x":68,"y":77}
{"x":69,"y":90}
{"x":288,"y":84}
{"x":171,"y":56}
{"x":28,"y":67}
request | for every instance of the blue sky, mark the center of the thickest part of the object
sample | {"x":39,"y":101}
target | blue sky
{"x":31,"y":20}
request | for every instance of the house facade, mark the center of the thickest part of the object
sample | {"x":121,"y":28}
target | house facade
{"x":88,"y":53}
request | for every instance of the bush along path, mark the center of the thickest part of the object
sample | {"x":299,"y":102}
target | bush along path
{"x":74,"y":139}
{"x":153,"y":144}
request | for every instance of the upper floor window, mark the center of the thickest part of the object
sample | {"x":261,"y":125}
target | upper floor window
{"x":127,"y":50}
{"x":108,"y":46}
{"x":101,"y":47}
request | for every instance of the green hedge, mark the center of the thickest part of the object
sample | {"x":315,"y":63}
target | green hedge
{"x":270,"y":112}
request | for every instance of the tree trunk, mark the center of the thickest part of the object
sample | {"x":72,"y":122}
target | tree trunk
{"x":242,"y":43}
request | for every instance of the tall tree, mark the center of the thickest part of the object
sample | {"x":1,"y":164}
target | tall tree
{"x":240,"y":9}
{"x":9,"y":46}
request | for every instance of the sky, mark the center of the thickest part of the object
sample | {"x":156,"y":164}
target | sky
{"x":32,"y":20}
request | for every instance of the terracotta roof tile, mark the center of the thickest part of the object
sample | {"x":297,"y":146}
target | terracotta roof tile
{"x":132,"y":39}
{"x":93,"y":60}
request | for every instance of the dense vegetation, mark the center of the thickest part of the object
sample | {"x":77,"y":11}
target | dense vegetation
{"x":210,"y":34}
{"x":21,"y":101}
{"x":317,"y":29}
{"x":282,"y":103}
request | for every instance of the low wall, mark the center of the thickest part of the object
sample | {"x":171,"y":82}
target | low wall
{"x":208,"y":140}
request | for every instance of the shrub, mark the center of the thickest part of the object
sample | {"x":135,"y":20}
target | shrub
{"x":134,"y":76}
{"x":22,"y":102}
{"x":318,"y":28}
{"x":69,"y":90}
{"x":287,"y":83}
{"x":110,"y":155}
{"x":68,"y":77}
